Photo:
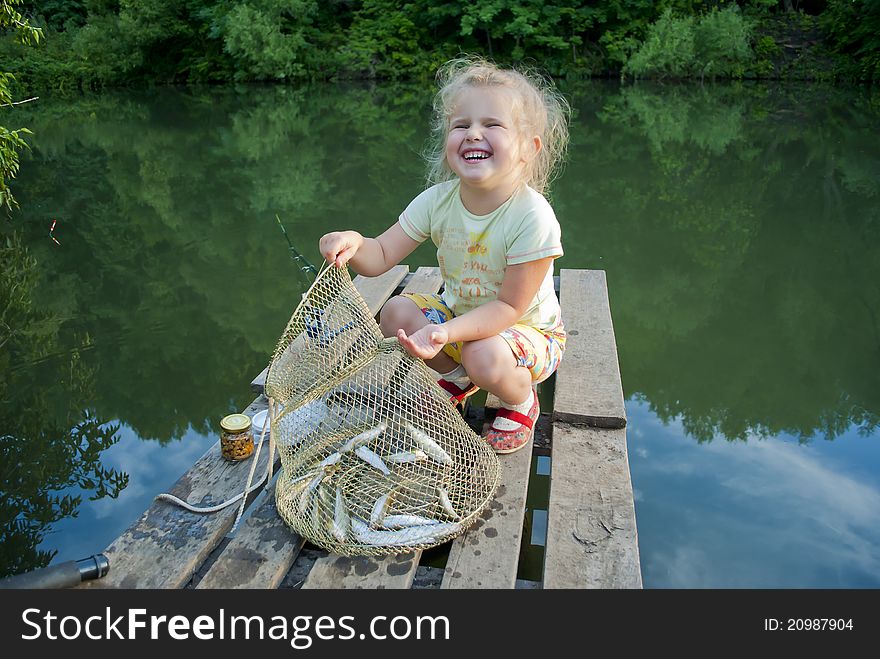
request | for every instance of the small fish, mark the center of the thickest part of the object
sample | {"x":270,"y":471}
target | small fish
{"x":363,"y":438}
{"x":319,"y":508}
{"x":379,"y":509}
{"x":307,"y":493}
{"x":400,"y":521}
{"x":295,"y":489}
{"x":331,"y":459}
{"x":431,"y":447}
{"x":413,"y":535}
{"x":371,"y":458}
{"x":341,"y":518}
{"x":447,"y":504}
{"x":406,"y":456}
{"x":308,"y":474}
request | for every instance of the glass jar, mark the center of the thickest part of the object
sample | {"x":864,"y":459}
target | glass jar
{"x":236,"y":438}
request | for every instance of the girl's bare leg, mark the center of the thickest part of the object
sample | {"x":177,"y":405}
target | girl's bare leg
{"x":402,"y":313}
{"x":492,"y":366}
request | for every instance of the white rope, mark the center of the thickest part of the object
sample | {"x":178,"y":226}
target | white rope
{"x":164,"y":496}
{"x":266,"y":425}
{"x":271,"y":438}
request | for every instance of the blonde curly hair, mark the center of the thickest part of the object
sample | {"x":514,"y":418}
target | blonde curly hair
{"x":539,"y":109}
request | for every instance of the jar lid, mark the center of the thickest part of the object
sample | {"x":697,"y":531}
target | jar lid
{"x":236,"y":422}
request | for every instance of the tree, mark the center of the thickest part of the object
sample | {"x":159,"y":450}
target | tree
{"x":11,"y":141}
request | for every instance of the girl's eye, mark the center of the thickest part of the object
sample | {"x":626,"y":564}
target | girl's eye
{"x":465,"y":126}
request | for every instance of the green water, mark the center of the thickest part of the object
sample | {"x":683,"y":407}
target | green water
{"x":739,"y":228}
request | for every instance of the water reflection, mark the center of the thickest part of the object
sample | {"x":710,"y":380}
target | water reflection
{"x":154,"y":468}
{"x":739,"y":227}
{"x":771,"y":513}
{"x":51,"y":441}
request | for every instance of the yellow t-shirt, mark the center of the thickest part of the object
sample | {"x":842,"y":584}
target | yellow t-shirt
{"x":473,"y":251}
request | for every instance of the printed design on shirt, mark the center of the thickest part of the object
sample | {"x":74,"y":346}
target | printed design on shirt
{"x":476,"y":243}
{"x":476,"y":280}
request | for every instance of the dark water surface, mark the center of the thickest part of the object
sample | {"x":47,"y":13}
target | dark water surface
{"x":739,"y":228}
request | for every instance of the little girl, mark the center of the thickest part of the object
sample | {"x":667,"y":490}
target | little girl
{"x":497,"y":325}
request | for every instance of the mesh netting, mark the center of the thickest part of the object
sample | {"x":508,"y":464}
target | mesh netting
{"x":375,"y":459}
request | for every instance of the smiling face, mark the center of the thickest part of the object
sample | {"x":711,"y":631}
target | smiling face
{"x":484,"y":146}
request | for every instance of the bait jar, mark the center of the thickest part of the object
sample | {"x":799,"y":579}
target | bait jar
{"x":236,"y":438}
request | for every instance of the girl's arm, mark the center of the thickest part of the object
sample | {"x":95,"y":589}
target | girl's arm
{"x":368,"y":256}
{"x":518,"y":289}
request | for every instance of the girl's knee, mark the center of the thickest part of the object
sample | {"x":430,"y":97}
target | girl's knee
{"x":401,"y":313}
{"x":488,"y":360}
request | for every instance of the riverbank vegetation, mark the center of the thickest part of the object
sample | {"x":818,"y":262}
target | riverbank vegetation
{"x":101,"y":43}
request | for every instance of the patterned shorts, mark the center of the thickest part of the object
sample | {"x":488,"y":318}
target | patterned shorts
{"x":540,"y":351}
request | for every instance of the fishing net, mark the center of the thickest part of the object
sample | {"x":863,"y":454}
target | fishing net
{"x":375,"y":459}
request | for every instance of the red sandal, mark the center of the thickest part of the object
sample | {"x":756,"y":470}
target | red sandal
{"x":457,"y":395}
{"x":509,"y":441}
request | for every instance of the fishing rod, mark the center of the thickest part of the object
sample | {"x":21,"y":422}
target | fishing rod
{"x":63,"y":575}
{"x":305,"y":266}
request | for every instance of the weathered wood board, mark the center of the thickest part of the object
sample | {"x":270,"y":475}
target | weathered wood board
{"x":592,"y":540}
{"x":260,"y":554}
{"x":588,"y":387}
{"x":487,"y":554}
{"x":591,"y":528}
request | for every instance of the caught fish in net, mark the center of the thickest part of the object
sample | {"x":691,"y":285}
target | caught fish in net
{"x":375,"y":460}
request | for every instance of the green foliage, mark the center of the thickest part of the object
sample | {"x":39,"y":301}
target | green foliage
{"x":99,"y":43}
{"x":722,"y":43}
{"x":668,"y":49}
{"x":58,"y":15}
{"x":268,"y":39}
{"x":854,"y":30}
{"x":714,"y":44}
{"x":384,"y":41}
{"x":11,"y":141}
{"x":766,"y":52}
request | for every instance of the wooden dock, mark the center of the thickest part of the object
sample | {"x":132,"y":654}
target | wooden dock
{"x":591,"y":528}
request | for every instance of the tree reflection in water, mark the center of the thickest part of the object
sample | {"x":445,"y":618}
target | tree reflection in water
{"x":739,"y":226}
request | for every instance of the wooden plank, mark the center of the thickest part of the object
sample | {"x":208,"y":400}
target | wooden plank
{"x":374,"y":290}
{"x":165,"y":547}
{"x":363,"y":572}
{"x":334,"y":571}
{"x":425,"y":280}
{"x":260,"y":554}
{"x":592,"y":540}
{"x":487,"y":554}
{"x":588,"y":388}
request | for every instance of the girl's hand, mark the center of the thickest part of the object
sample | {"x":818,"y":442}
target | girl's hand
{"x":338,"y":247}
{"x":426,"y":342}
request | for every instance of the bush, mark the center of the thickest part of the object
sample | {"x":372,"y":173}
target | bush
{"x":721,"y":43}
{"x":715,"y":44}
{"x":668,"y":49}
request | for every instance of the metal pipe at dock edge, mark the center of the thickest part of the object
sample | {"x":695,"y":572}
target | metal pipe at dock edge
{"x":63,"y":575}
